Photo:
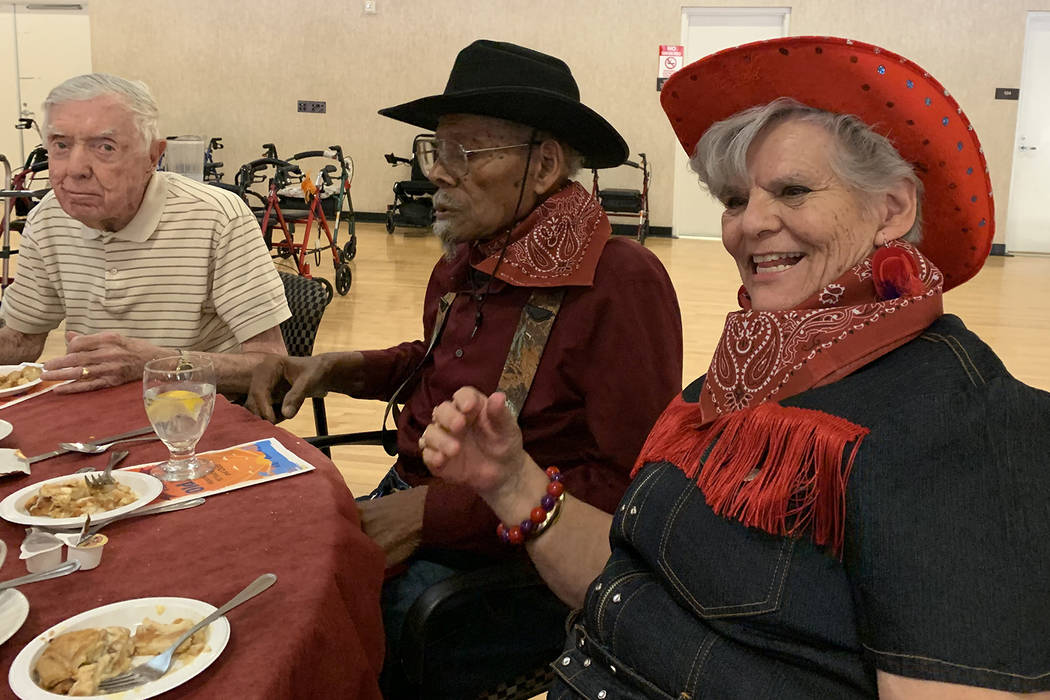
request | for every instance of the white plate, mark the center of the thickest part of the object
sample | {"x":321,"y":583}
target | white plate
{"x":12,"y":508}
{"x":13,"y":611}
{"x":7,"y":369}
{"x":129,"y":613}
{"x":5,"y":429}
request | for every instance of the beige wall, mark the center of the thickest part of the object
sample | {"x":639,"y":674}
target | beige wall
{"x":235,"y":68}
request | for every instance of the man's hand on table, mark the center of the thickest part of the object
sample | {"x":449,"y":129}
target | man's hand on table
{"x":306,"y":375}
{"x":395,"y":522}
{"x":100,"y":360}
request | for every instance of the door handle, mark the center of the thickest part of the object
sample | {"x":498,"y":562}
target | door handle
{"x":1029,"y":148}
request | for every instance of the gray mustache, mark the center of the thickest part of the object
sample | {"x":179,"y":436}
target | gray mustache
{"x":443,"y":200}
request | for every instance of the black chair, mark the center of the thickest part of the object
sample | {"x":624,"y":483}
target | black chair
{"x":507,"y":601}
{"x":307,"y":300}
{"x":502,"y":601}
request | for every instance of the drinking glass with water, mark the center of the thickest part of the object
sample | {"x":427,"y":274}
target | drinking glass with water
{"x":179,"y":393}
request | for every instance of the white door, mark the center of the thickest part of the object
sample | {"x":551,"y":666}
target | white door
{"x":704,"y":31}
{"x":1027,"y":217}
{"x":10,"y":140}
{"x":54,"y":43}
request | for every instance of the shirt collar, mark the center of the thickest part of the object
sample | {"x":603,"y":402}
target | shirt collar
{"x":145,"y":221}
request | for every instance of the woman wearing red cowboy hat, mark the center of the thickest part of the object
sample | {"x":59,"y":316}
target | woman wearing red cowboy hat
{"x":850,"y":502}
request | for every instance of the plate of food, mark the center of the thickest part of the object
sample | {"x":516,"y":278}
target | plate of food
{"x":75,"y":655}
{"x":14,"y":608}
{"x":16,"y":379}
{"x":64,"y":500}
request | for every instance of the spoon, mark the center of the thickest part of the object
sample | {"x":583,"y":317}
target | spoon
{"x":60,"y":570}
{"x":99,"y":449}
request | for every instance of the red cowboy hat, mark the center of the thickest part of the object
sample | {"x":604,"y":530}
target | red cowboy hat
{"x":890,"y":93}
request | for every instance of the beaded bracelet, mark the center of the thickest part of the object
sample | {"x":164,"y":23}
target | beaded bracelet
{"x":541,"y":517}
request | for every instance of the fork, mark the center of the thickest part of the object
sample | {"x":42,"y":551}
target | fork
{"x":106,"y":477}
{"x":156,"y":667}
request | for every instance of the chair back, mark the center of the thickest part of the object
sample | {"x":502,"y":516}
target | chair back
{"x":307,"y":300}
{"x":417,"y":172}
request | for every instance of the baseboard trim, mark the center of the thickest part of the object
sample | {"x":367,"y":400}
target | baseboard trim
{"x":632,"y":230}
{"x":370,"y":217}
{"x":998,"y":249}
{"x":374,"y":217}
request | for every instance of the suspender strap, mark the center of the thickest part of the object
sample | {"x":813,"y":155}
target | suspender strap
{"x":526,"y":348}
{"x":523,"y":359}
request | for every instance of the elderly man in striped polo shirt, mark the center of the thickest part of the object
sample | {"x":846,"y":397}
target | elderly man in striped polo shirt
{"x":138,"y":263}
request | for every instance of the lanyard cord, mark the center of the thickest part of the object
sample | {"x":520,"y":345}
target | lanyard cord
{"x":480,"y":295}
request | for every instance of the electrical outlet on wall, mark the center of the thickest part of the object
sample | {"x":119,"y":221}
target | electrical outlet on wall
{"x":312,"y":106}
{"x":370,"y":7}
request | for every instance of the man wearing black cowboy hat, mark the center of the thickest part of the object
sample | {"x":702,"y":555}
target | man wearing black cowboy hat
{"x":533,"y":297}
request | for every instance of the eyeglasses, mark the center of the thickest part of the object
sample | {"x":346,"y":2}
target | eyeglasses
{"x":451,"y":154}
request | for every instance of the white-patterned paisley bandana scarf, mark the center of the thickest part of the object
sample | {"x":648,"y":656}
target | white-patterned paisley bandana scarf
{"x":558,"y":244}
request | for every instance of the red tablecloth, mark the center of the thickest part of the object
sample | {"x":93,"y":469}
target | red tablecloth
{"x":316,"y":633}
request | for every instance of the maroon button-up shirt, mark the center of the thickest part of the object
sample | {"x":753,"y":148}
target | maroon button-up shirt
{"x":612,"y":363}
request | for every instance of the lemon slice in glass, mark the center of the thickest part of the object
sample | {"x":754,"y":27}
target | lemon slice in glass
{"x":170,"y":404}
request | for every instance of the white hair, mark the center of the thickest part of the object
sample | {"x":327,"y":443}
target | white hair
{"x":863,"y":159}
{"x":135,"y":95}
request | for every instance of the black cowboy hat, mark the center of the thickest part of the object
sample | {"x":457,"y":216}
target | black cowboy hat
{"x":496,"y":79}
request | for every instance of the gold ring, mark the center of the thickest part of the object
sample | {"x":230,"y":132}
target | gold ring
{"x":84,"y":372}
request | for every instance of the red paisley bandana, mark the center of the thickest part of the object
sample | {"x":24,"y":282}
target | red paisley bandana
{"x":558,"y":244}
{"x":766,"y":355}
{"x":785,"y":469}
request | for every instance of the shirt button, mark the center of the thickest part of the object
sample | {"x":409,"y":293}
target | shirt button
{"x":112,"y":272}
{"x":616,"y":598}
{"x":601,"y":695}
{"x":586,"y":663}
{"x":565,"y":661}
{"x":459,"y":352}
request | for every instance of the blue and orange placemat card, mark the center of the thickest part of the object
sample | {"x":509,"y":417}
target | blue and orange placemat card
{"x":235,"y":467}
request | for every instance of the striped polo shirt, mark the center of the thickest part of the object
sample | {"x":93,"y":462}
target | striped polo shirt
{"x":189,"y":271}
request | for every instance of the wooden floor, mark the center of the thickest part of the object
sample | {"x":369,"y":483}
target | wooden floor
{"x":1007,"y":304}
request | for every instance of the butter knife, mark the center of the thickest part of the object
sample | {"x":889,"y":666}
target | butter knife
{"x":96,"y":441}
{"x":152,"y":510}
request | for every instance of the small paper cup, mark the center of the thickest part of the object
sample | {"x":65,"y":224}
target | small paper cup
{"x":88,"y":554}
{"x":44,"y":560}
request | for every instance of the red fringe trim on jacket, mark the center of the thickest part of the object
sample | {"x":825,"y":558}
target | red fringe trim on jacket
{"x":781,"y":469}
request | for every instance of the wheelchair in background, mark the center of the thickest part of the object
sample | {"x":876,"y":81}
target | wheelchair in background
{"x":625,"y":202}
{"x":413,"y":199}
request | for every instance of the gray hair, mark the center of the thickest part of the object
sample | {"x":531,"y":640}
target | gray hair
{"x":135,"y":95}
{"x":572,"y":157}
{"x":865,"y":160}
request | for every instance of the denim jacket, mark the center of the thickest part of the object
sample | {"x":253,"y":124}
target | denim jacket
{"x":943,"y":574}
